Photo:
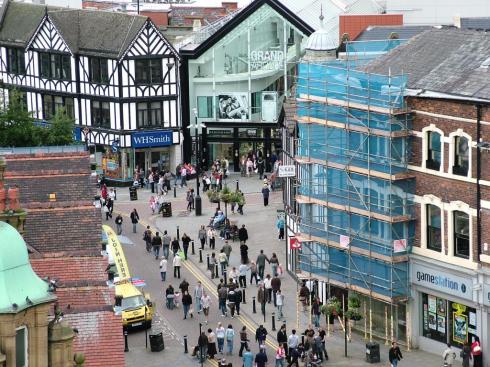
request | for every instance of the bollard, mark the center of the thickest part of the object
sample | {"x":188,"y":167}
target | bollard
{"x":178,"y":234}
{"x":200,"y":257}
{"x":216,"y":275}
{"x":186,"y":350}
{"x":193,"y":251}
{"x":237,"y":187}
{"x":175,"y":191}
{"x":254,"y":309}
{"x":243,"y":297}
{"x":126,"y":348}
{"x":273,"y":321}
{"x":264,"y":313}
{"x":224,"y":276}
{"x":303,"y":339}
{"x":115,"y":194}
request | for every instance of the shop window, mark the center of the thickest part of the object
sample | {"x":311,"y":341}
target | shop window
{"x":434,"y":238}
{"x":99,"y":71}
{"x":461,"y":234}
{"x":51,"y":104}
{"x":149,"y":114}
{"x":434,"y":151}
{"x":16,"y":61}
{"x":205,"y":107}
{"x":101,"y":114}
{"x":21,"y":347}
{"x":461,"y":156}
{"x":54,"y":66}
{"x":148,"y":71}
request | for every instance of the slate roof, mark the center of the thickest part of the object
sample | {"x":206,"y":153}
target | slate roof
{"x":78,"y":27}
{"x":375,"y":33}
{"x":482,"y":23}
{"x":441,"y":60}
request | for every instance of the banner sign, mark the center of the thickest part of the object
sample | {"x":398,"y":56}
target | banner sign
{"x":287,"y":171}
{"x":148,"y":139}
{"x":294,"y":243}
{"x":114,"y":246}
{"x":266,"y":60}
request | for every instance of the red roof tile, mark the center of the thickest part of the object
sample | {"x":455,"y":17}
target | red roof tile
{"x":100,"y":338}
{"x":71,"y":300}
{"x":70,"y":270}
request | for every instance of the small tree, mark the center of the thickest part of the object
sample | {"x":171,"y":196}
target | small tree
{"x":17,"y":127}
{"x":60,"y":132}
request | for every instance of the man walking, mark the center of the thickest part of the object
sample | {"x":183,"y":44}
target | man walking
{"x":260,"y":335}
{"x":163,"y":268}
{"x":227,"y":250}
{"x":244,"y":253}
{"x":119,"y":221}
{"x":134,"y":219}
{"x":261,"y":259}
{"x":261,"y":297}
{"x":265,"y":194}
{"x":394,"y":355}
{"x":185,"y":244}
{"x":276,"y":287}
{"x":156,"y":243}
{"x":198,"y":293}
{"x":202,"y":236}
{"x":242,"y":275}
{"x":166,"y":239}
{"x":147,"y":237}
{"x":222,"y":297}
{"x":177,"y":262}
{"x":243,"y":341}
{"x":243,"y":234}
{"x":223,"y":261}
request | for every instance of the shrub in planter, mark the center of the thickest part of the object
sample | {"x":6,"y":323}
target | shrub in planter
{"x":353,"y":314}
{"x":332,"y":307}
{"x":354,"y":302}
{"x":213,"y":196}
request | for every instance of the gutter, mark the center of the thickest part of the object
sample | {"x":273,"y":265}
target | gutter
{"x":478,"y":177}
{"x":423,"y":93}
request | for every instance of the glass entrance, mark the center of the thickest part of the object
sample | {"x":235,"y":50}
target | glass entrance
{"x":221,"y":151}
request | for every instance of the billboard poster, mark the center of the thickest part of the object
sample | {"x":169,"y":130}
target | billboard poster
{"x":269,"y":106}
{"x":460,"y":328}
{"x":233,"y":106}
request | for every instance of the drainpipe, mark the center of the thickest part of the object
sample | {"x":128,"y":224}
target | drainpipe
{"x":478,"y":177}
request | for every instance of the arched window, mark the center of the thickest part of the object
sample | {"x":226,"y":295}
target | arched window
{"x":434,"y":235}
{"x":461,"y":156}
{"x":433,"y":150}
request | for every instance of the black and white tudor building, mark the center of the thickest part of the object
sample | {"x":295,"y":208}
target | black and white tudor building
{"x":114,"y":73}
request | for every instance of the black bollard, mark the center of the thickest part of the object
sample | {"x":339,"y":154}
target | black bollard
{"x":126,"y":348}
{"x":237,"y":187}
{"x":224,"y":276}
{"x":243,"y":297}
{"x":273,"y":321}
{"x":254,"y":309}
{"x":193,"y":251}
{"x":175,"y":191}
{"x":200,"y":257}
{"x":178,"y":233}
{"x":264,"y":313}
{"x":186,"y":350}
{"x":303,"y":339}
{"x":216,"y":275}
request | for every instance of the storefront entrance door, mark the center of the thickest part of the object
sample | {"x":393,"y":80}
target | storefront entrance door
{"x":221,"y":151}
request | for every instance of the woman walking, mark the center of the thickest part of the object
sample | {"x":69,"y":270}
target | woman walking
{"x":280,"y":355}
{"x":211,"y":344}
{"x":202,"y":236}
{"x":274,"y":261}
{"x":229,"y":336}
{"x":212,"y":238}
{"x":205,"y":303}
{"x":186,"y":303}
{"x":220,"y":336}
{"x":476,"y":352}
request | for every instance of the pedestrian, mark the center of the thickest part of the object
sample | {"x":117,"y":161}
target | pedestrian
{"x":243,"y":234}
{"x":274,"y":262}
{"x":222,"y":297}
{"x":260,"y":335}
{"x":268,"y":288}
{"x":231,"y":302}
{"x":186,"y":303}
{"x":198,"y":293}
{"x":227,"y":250}
{"x":465,"y":355}
{"x":280,"y":355}
{"x":304,"y":295}
{"x":243,"y":341}
{"x":147,"y":237}
{"x":261,"y":259}
{"x":476,"y":352}
{"x":212,"y":238}
{"x":241,"y":202}
{"x":265,"y":194}
{"x":253,"y":273}
{"x":211,"y":344}
{"x":185,"y":244}
{"x":294,"y":355}
{"x":261,"y":297}
{"x":448,"y":356}
{"x":260,"y":167}
{"x":248,"y":358}
{"x":233,"y":275}
{"x":175,"y":246}
{"x":170,"y":295}
{"x":238,"y":301}
{"x":119,"y":221}
{"x":244,"y":253}
{"x":316,"y":312}
{"x":280,"y":227}
{"x":190,"y":199}
{"x":184,"y":286}
{"x":106,"y":209}
{"x":261,"y":358}
{"x":151,"y":181}
{"x":293,"y":341}
{"x":212,"y":265}
{"x":279,"y":304}
{"x":205,"y":304}
{"x":202,"y":236}
{"x":276,"y":286}
{"x":242,"y":275}
{"x":134,"y":219}
{"x":323,"y":334}
{"x":282,"y":337}
{"x":177,"y":261}
{"x":156,"y":243}
{"x":223,"y":261}
{"x":163,"y":268}
{"x":229,"y":336}
{"x":166,"y":239}
{"x":202,"y":343}
{"x":220,"y":337}
{"x":395,"y":355}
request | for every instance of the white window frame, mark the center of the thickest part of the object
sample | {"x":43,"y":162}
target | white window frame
{"x":465,"y":208}
{"x":452,"y":150}
{"x":26,"y":343}
{"x":433,"y":200}
{"x":425,"y":146}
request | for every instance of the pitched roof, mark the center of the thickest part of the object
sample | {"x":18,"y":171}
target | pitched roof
{"x":100,"y":338}
{"x":19,"y":21}
{"x":481,"y":23}
{"x":442,"y":60}
{"x":375,"y":33}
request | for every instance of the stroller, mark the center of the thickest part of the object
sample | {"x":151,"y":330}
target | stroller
{"x":312,"y":360}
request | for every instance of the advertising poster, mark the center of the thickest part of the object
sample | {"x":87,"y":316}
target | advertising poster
{"x":441,"y":324}
{"x":233,"y":106}
{"x":426,"y":320}
{"x":432,"y":304}
{"x":441,"y":307}
{"x":460,"y":328}
{"x":472,"y":319}
{"x":432,"y":321}
{"x":269,"y":106}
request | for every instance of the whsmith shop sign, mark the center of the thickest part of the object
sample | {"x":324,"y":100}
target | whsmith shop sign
{"x":443,"y":282}
{"x":148,"y":139}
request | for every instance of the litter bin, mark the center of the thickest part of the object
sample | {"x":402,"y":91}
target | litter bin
{"x":166,"y":209}
{"x":133,"y":193}
{"x":156,"y":342}
{"x":372,"y":352}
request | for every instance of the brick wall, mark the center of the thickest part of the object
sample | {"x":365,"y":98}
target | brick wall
{"x":354,"y":25}
{"x":160,"y":18}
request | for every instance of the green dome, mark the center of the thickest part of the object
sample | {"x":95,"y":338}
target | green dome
{"x":17,"y":279}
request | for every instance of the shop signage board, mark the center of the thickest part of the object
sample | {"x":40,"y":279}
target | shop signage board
{"x":266,"y":60}
{"x":294,"y":243}
{"x":287,"y":171}
{"x":440,"y":280}
{"x":486,"y":294}
{"x":155,"y":138}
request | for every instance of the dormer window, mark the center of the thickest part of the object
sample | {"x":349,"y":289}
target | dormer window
{"x":55,"y":66}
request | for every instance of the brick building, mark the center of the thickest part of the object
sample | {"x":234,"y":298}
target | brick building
{"x":448,"y":94}
{"x":63,"y":234}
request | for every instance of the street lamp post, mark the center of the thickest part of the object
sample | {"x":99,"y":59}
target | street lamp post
{"x":196,"y":126}
{"x":200,"y":347}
